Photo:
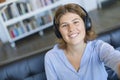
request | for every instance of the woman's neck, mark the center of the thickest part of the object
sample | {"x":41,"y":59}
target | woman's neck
{"x":76,"y":49}
{"x":74,"y":54}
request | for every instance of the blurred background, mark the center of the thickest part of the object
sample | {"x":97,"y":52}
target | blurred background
{"x":26,"y":25}
{"x":104,"y":13}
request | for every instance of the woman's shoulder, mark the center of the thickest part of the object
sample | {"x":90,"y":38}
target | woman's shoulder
{"x":96,"y":42}
{"x":100,"y":45}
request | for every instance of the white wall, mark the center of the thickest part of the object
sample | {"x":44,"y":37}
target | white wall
{"x":71,"y":1}
{"x":87,"y":4}
{"x":80,"y":2}
{"x":90,"y":4}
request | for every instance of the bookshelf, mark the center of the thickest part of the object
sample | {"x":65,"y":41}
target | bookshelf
{"x":21,"y":18}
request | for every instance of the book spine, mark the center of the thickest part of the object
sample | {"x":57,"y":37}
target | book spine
{"x":22,"y":8}
{"x":14,"y":10}
{"x":4,"y":17}
{"x":11,"y":33}
{"x":28,"y":7}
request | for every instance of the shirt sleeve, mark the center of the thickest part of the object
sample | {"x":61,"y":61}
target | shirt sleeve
{"x":49,"y":69}
{"x":108,"y":55}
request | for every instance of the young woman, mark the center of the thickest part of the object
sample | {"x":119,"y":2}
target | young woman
{"x":78,"y":56}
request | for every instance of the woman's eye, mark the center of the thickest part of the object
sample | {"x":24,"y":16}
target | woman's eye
{"x":76,"y":22}
{"x":65,"y":25}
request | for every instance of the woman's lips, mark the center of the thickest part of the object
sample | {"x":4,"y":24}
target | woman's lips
{"x":73,"y":35}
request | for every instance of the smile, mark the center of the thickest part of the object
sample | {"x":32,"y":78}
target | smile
{"x":73,"y":35}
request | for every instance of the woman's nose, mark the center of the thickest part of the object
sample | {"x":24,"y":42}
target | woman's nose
{"x":71,"y":27}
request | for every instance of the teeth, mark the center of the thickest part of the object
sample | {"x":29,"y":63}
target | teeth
{"x":73,"y":35}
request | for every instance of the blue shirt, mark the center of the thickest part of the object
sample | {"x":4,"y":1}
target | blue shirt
{"x":96,"y":54}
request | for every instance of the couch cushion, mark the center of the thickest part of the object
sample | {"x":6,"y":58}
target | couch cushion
{"x":115,"y":38}
{"x":105,"y":37}
{"x":40,"y":76}
{"x":118,"y":48}
{"x":31,"y":68}
{"x":14,"y":71}
{"x":111,"y":74}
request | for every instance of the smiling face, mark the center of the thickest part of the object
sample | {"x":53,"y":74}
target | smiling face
{"x":72,"y":28}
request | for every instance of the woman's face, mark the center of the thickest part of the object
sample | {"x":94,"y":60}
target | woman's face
{"x":72,"y":28}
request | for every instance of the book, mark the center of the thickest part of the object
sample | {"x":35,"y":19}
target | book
{"x":3,"y":13}
{"x":48,"y":2}
{"x":15,"y":31}
{"x":35,"y":4}
{"x":34,"y":24}
{"x":14,"y":10}
{"x":4,"y":17}
{"x":22,"y":7}
{"x":19,"y":8}
{"x":9,"y":12}
{"x":28,"y":7}
{"x":20,"y":29}
{"x":11,"y":32}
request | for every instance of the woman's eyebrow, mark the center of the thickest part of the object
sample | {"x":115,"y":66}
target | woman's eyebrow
{"x":63,"y":23}
{"x":76,"y":19}
{"x":72,"y":20}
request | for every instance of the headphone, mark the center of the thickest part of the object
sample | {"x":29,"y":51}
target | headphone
{"x":86,"y":19}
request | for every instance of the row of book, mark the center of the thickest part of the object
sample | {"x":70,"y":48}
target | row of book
{"x":18,"y":28}
{"x":28,"y":25}
{"x":15,"y":9}
{"x":43,"y":18}
{"x":40,"y":3}
{"x":21,"y":7}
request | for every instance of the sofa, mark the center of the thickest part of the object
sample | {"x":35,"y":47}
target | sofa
{"x":32,"y":67}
